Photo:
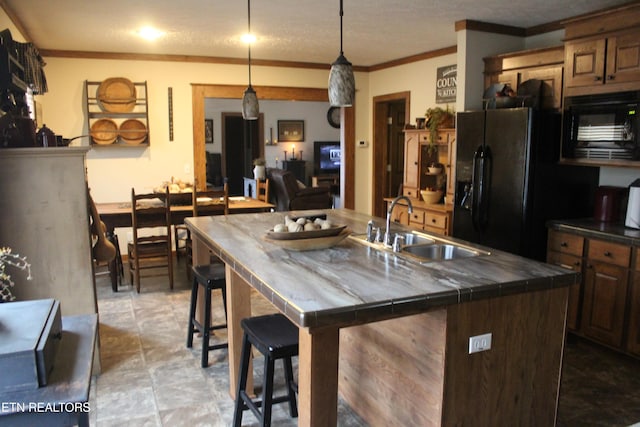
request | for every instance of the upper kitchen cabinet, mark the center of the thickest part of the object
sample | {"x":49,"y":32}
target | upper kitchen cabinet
{"x":515,"y":68}
{"x":117,"y":112}
{"x":602,"y":52}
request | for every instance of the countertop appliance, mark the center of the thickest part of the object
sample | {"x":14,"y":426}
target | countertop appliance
{"x":509,"y":183}
{"x":607,"y":203}
{"x":632,"y":218}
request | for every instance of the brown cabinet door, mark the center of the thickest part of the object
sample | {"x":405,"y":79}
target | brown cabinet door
{"x":584,"y":62}
{"x":605,"y":291}
{"x":633,"y":339}
{"x":411,"y":164}
{"x":623,"y":58}
{"x":551,"y":77}
{"x":574,"y":263}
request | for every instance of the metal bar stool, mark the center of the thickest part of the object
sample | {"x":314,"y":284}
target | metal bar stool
{"x":211,"y":277}
{"x":275,"y":337}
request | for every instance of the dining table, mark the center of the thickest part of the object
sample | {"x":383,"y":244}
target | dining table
{"x":118,"y":214}
{"x":467,"y":341}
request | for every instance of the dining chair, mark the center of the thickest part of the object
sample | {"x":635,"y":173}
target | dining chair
{"x":262,"y":190}
{"x":151,"y":226}
{"x":103,"y":250}
{"x":205,"y":202}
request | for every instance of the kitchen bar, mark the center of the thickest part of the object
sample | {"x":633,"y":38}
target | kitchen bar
{"x":382,"y":321}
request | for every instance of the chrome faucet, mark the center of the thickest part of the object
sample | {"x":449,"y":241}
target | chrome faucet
{"x":387,"y":235}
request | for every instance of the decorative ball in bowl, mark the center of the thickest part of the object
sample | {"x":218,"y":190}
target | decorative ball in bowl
{"x":431,"y":196}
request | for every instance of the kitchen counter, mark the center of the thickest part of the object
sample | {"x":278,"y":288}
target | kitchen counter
{"x":609,"y":231}
{"x":438,"y":305}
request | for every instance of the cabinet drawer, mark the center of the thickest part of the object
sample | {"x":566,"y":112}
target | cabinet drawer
{"x":566,"y":243}
{"x":410,"y":192}
{"x":417,"y":217}
{"x":570,"y":262}
{"x":437,"y":220}
{"x":611,"y":253}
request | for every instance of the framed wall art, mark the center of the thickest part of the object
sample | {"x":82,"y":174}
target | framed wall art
{"x":208,"y":131}
{"x":290,"y":130}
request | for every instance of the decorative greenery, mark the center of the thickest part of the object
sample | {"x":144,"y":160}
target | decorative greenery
{"x":438,"y":117}
{"x":259,"y":162}
{"x":6,"y":283}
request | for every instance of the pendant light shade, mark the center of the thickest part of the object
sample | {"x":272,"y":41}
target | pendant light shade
{"x":250,"y":109}
{"x":342,"y":83}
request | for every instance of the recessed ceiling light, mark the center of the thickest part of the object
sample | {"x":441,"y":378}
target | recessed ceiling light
{"x":150,"y":33}
{"x":248,"y":38}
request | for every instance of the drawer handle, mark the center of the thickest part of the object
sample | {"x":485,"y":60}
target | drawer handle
{"x":597,"y":78}
{"x":611,"y":77}
{"x":563,"y":244}
{"x":433,"y":220}
{"x":607,"y":253}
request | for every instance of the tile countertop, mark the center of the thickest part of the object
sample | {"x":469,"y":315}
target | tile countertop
{"x":588,"y":227}
{"x":350,"y":283}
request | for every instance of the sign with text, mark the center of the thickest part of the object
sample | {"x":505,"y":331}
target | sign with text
{"x":446,"y":84}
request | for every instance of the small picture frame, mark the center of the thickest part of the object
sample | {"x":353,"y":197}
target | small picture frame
{"x":290,"y":130}
{"x":208,"y":131}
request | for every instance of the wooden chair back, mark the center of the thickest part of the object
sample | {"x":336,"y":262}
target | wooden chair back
{"x":211,"y":202}
{"x":262,"y":190}
{"x":151,"y":211}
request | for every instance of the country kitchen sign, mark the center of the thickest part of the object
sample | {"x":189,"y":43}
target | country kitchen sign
{"x":446,"y":84}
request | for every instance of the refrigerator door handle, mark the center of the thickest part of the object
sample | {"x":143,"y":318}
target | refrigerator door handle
{"x":480,"y":184}
{"x":475,"y":187}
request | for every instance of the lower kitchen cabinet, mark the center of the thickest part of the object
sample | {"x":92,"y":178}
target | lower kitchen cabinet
{"x":430,"y":218}
{"x":605,"y":306}
{"x":633,"y":338}
{"x":605,"y":292}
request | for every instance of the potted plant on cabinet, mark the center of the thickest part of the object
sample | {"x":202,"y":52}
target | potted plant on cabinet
{"x":438,"y":117}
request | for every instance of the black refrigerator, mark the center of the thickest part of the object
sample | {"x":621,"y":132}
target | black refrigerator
{"x":509,"y":182}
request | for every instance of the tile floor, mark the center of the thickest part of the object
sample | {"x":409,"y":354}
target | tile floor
{"x":149,"y":377}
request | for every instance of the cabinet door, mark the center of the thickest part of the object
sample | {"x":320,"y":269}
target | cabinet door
{"x":584,"y":62}
{"x":411,"y":165}
{"x":623,"y":58}
{"x":633,"y":340}
{"x":605,"y":290}
{"x":551,"y":77}
{"x":574,"y":263}
{"x":400,"y":214}
{"x":450,"y":167}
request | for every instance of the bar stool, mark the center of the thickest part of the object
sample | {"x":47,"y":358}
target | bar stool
{"x":275,"y":337}
{"x":210,"y":277}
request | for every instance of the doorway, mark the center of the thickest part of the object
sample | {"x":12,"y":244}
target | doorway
{"x":390,"y":115}
{"x":241,"y":144}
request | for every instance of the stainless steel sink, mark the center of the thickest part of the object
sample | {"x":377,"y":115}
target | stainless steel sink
{"x":439,"y":251}
{"x":422,"y":248}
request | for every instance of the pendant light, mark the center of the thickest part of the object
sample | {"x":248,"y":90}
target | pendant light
{"x":250,"y":110}
{"x":342,"y":84}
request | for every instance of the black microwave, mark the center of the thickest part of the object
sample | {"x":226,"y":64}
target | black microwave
{"x":602,"y":127}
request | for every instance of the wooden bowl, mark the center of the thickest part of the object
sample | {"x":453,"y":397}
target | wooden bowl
{"x":104,"y":132}
{"x":133,"y":131}
{"x":116,"y":95}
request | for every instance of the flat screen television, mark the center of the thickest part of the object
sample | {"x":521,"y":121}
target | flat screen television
{"x":326,"y":157}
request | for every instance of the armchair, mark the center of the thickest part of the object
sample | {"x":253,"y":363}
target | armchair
{"x":291,"y":195}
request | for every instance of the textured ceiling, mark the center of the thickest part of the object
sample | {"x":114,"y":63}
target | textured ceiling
{"x":375,"y":31}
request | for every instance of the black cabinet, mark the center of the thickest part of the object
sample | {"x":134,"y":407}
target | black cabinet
{"x":298,"y":169}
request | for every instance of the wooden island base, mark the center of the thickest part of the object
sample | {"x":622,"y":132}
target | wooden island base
{"x":417,"y":370}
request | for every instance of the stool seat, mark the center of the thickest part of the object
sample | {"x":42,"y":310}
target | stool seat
{"x":275,"y":337}
{"x":272,"y":334}
{"x":211,"y":277}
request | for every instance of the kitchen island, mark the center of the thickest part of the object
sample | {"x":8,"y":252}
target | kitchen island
{"x":393,"y":335}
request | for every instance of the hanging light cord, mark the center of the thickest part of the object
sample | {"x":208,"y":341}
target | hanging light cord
{"x":341,"y":14}
{"x":249,"y":29}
